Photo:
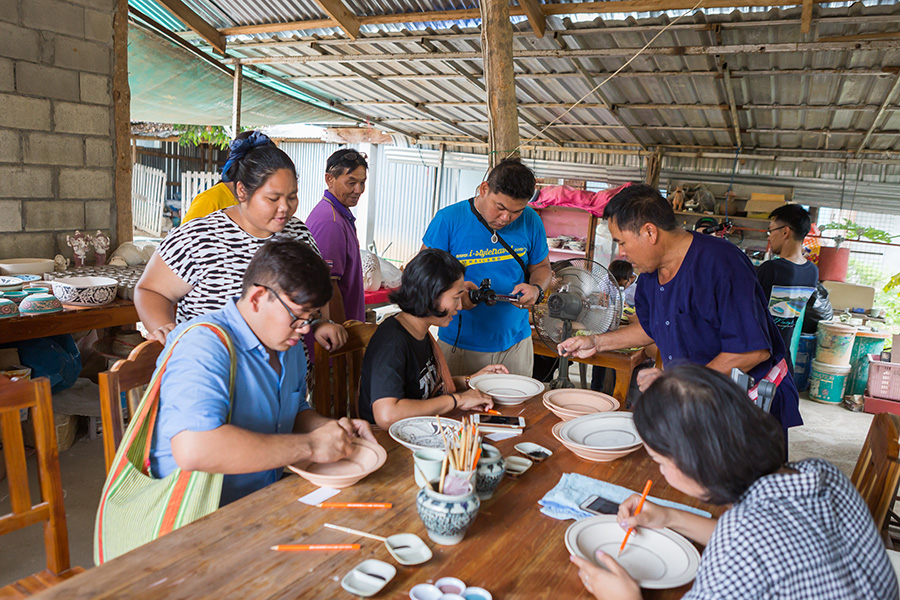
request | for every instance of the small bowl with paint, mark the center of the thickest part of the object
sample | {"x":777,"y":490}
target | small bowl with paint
{"x":368,"y":577}
{"x":477,"y":593}
{"x":516,"y":466}
{"x":451,"y":597}
{"x":535,"y":452}
{"x":424,"y":591}
{"x":450,"y":585}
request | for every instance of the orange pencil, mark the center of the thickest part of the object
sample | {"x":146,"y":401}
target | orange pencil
{"x":636,"y":513}
{"x":309,"y":547}
{"x":491,"y":411}
{"x":354,"y":505}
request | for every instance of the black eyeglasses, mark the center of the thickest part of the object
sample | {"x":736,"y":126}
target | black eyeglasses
{"x":297,"y":322}
{"x":769,"y":231}
{"x":351,"y":157}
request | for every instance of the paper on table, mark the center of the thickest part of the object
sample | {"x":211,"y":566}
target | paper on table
{"x":320,"y":495}
{"x":503,"y":435}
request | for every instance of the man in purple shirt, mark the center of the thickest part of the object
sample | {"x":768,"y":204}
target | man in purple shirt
{"x":334,"y":228}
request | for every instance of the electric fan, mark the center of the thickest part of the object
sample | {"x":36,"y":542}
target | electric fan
{"x":582,"y":298}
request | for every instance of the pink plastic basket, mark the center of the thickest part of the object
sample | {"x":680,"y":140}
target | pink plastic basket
{"x":884,"y":378}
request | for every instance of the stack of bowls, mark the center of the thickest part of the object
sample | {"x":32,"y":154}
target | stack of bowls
{"x":600,"y":437}
{"x":571,"y":403}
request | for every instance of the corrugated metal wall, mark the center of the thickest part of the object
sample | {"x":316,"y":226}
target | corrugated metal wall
{"x":310,"y":162}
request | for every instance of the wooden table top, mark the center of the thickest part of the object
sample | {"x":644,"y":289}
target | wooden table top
{"x":511,"y":549}
{"x":70,"y":320}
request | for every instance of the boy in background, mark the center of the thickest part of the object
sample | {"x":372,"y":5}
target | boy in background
{"x":623,"y":272}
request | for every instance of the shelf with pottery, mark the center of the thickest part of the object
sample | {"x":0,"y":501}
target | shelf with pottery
{"x":572,"y":222}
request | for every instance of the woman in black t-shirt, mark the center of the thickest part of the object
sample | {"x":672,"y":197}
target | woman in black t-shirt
{"x":403,"y":372}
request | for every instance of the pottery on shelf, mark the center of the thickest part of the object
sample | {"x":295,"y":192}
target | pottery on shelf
{"x":446,"y":517}
{"x":14,"y":296}
{"x":39,"y":304}
{"x":25,"y":266}
{"x":85,"y":291}
{"x":8,"y":308}
{"x":489,"y":472}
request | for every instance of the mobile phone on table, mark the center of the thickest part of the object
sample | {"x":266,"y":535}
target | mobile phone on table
{"x":499,"y":420}
{"x":599,"y":506}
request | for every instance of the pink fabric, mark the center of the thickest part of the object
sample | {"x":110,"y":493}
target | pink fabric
{"x":563,"y":195}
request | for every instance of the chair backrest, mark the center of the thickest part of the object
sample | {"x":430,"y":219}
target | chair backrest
{"x":877,"y":470}
{"x":130,"y":376}
{"x":336,"y":390}
{"x":34,"y":394}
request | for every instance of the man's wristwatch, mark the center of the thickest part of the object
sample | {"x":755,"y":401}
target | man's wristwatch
{"x":540,"y":297}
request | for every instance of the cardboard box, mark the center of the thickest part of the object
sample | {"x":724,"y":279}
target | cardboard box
{"x":760,"y":205}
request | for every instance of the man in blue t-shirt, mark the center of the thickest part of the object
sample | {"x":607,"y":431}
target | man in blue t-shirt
{"x":474,"y":231}
{"x":698,"y":300}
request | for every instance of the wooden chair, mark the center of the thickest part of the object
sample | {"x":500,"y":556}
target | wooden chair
{"x":129,"y":375}
{"x":877,"y":470}
{"x":34,"y":395}
{"x":336,"y":390}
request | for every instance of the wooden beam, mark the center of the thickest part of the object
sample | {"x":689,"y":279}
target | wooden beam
{"x":644,"y":106}
{"x":121,"y":93}
{"x":806,"y":16}
{"x":346,"y":20}
{"x":881,"y":35}
{"x":500,"y":81}
{"x":729,"y":93}
{"x":187,"y":16}
{"x":654,"y":164}
{"x":535,"y":15}
{"x":236,"y":98}
{"x":877,"y":119}
{"x":278,"y":27}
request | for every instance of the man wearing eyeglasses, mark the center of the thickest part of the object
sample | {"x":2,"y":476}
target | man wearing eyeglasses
{"x":270,"y":423}
{"x":334,"y":228}
{"x":789,"y":280}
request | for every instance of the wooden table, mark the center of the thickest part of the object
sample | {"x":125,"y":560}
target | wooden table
{"x":70,"y":320}
{"x":623,"y":363}
{"x":511,"y":549}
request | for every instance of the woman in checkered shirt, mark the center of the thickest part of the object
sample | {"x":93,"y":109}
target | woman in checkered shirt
{"x":792,"y":531}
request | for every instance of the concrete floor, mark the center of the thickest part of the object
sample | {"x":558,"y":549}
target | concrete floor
{"x":830,"y":432}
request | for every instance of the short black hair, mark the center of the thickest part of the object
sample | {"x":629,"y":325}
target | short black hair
{"x":621,"y":270}
{"x":345,"y":160}
{"x":710,"y":429}
{"x":795,"y":217}
{"x":291,"y":266}
{"x":428,"y":275}
{"x":512,"y":178}
{"x":637,"y":205}
{"x":258,"y":164}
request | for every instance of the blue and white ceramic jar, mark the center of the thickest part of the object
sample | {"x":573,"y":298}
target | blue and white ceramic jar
{"x":446,"y":517}
{"x":489,"y":473}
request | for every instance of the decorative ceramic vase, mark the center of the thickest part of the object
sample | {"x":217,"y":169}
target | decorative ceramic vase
{"x":489,"y":471}
{"x":446,"y":517}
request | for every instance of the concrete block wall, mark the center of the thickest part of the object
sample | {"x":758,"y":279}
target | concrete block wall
{"x":56,"y":124}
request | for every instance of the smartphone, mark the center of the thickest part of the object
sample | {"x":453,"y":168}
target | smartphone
{"x":599,"y":506}
{"x":499,"y":420}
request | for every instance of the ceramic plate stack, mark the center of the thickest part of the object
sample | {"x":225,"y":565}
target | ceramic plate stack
{"x":507,"y":389}
{"x":10,"y":284}
{"x":571,"y":403}
{"x":657,"y":558}
{"x":599,"y":437}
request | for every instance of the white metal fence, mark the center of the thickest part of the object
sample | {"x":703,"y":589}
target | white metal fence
{"x":148,"y":195}
{"x":194,"y":182}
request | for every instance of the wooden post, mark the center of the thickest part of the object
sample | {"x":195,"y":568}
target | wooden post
{"x":651,"y":175}
{"x":124,"y":231}
{"x":236,"y":99}
{"x":496,"y":47}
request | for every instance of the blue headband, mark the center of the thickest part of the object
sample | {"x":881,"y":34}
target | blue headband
{"x":240,"y":148}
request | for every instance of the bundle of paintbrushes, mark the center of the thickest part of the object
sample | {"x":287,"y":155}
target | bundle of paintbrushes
{"x":463,"y":449}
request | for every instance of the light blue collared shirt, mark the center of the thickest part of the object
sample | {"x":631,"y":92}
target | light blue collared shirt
{"x":194,"y":392}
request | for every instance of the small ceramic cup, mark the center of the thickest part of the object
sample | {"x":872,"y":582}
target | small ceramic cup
{"x":446,"y":517}
{"x":424,"y":591}
{"x":36,"y":289}
{"x":489,"y":471}
{"x":477,"y":593}
{"x":450,"y":585}
{"x":427,"y":465}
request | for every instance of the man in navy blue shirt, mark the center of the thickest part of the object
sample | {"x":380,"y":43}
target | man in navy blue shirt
{"x":698,"y":299}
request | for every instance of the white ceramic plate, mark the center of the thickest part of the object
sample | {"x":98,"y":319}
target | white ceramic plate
{"x":421,"y":433}
{"x":507,"y":389}
{"x":10,"y":284}
{"x":581,"y":401}
{"x":602,"y":431}
{"x":368,"y":577}
{"x":657,"y":558}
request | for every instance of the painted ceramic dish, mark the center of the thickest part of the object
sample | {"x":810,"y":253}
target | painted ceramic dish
{"x":32,"y":266}
{"x":365,"y":459}
{"x":602,"y":431}
{"x":85,"y":291}
{"x":368,"y":577}
{"x":421,"y":433}
{"x":14,"y":296}
{"x":507,"y":389}
{"x":40,"y":304}
{"x":10,"y":284}
{"x":8,"y":308}
{"x":516,"y":466}
{"x":657,"y":558}
{"x":570,"y":403}
{"x":535,"y":452}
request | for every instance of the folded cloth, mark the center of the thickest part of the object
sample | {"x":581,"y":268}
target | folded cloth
{"x":562,"y":501}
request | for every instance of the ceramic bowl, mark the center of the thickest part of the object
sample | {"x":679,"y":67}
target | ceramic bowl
{"x":26,"y":266}
{"x":553,"y":242}
{"x":85,"y":291}
{"x":8,"y":308}
{"x":602,"y":431}
{"x":36,"y":287}
{"x":10,"y":284}
{"x":590,"y":454}
{"x":516,"y":466}
{"x":535,"y":452}
{"x":40,"y":304}
{"x":368,"y":577}
{"x":570,"y":403}
{"x":15,"y":296}
{"x":476,"y":593}
{"x":421,"y":433}
{"x":424,"y":591}
{"x":450,"y":585}
{"x":365,"y":459}
{"x":507,"y":389}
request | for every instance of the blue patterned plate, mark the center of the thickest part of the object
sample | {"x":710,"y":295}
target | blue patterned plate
{"x":10,"y":284}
